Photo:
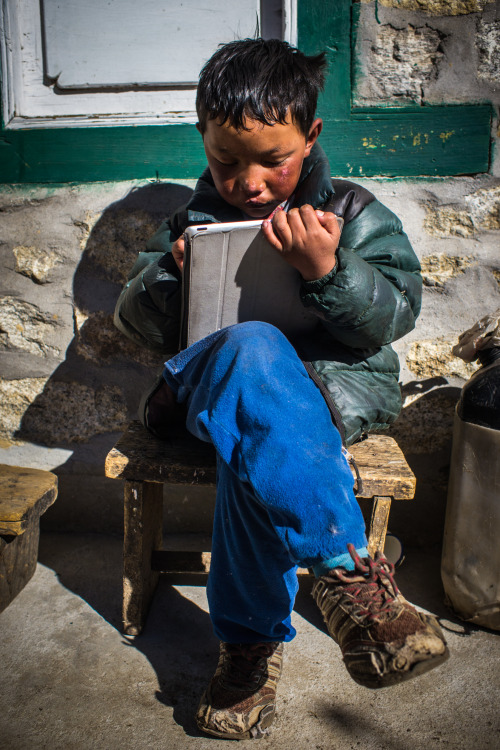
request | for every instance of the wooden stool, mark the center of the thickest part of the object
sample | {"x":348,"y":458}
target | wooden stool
{"x":146,"y":463}
{"x":24,"y":495}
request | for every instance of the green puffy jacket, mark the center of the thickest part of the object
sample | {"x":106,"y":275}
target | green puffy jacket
{"x":371,"y":298}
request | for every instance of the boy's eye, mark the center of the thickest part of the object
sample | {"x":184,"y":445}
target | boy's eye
{"x":265,"y":163}
{"x":274,"y":163}
{"x":225,"y":163}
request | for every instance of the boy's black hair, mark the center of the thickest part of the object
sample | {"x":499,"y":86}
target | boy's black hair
{"x":260,"y":79}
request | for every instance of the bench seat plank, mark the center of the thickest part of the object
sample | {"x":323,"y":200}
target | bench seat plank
{"x":383,"y":468}
{"x":24,"y":493}
{"x":138,"y":455}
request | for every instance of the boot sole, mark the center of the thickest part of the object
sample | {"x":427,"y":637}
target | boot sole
{"x":266,"y":718}
{"x":394,"y":678}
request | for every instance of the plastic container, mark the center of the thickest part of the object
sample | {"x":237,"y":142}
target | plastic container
{"x":470,"y":567}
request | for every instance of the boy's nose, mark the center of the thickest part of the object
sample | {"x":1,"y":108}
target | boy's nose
{"x":252,"y":182}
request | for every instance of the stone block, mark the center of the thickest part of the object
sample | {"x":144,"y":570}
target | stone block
{"x":448,"y":221}
{"x":484,"y":207}
{"x":34,"y":263}
{"x":481,"y":212}
{"x":15,"y":398}
{"x":71,"y":412}
{"x":24,"y":326}
{"x":425,"y":424}
{"x":438,"y":269}
{"x":402,"y":60}
{"x":488,"y":47}
{"x":429,"y":359}
{"x":57,"y":413}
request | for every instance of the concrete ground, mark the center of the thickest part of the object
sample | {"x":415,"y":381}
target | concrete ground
{"x":70,"y":680}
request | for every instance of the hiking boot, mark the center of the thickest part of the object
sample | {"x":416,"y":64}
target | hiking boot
{"x":239,"y":702}
{"x":384,"y":640}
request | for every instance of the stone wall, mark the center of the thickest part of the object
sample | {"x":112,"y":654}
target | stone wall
{"x":432,"y":52}
{"x":69,"y":381}
{"x":428,"y":52}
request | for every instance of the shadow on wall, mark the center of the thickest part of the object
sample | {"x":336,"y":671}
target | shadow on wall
{"x":95,"y":391}
{"x":424,"y":432}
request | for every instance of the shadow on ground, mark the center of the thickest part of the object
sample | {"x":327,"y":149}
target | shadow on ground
{"x":177,"y":639}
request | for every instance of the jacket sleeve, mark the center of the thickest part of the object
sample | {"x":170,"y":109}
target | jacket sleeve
{"x":148,"y":308}
{"x":373,"y":295}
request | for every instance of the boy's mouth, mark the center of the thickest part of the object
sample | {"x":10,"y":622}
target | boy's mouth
{"x":258,"y":207}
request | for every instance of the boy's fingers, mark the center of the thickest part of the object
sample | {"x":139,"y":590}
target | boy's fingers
{"x":178,"y":252}
{"x":178,"y":248}
{"x":329,"y":222}
{"x":308,"y":216}
{"x":270,"y":236}
{"x":299,"y":226}
{"x":281,"y":227}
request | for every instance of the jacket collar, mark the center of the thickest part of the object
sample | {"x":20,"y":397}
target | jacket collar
{"x":314,"y":187}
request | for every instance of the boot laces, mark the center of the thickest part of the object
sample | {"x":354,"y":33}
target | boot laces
{"x":246,"y":663}
{"x":370,"y":587}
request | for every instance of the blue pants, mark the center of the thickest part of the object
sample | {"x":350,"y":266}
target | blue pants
{"x":284,"y":489}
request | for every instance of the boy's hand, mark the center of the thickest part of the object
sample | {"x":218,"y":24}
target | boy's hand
{"x":306,"y":238}
{"x":178,"y":252}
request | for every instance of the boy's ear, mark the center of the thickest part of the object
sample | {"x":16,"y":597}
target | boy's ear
{"x":314,"y":132}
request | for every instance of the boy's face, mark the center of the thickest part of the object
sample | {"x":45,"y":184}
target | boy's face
{"x":257,"y":169}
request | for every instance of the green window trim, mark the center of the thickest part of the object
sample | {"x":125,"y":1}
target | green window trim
{"x":442,"y":140}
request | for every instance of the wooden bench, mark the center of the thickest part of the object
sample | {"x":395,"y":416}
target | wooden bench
{"x":146,"y":464}
{"x":25,"y":494}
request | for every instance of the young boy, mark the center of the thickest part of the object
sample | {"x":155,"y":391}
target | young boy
{"x":278,"y":413}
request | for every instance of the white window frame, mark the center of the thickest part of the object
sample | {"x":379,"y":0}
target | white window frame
{"x":28,"y":102}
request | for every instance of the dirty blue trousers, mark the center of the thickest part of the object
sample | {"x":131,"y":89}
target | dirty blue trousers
{"x":284,"y":488}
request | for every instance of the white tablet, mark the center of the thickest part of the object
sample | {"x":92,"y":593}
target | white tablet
{"x":231,"y":274}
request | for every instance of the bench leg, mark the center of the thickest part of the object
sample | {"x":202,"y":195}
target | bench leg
{"x":143,"y":516}
{"x":378,"y":524}
{"x":18,"y":559}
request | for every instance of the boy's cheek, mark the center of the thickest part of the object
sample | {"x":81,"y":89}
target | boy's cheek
{"x":224,"y":187}
{"x":288,"y":176}
{"x":284,"y":175}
